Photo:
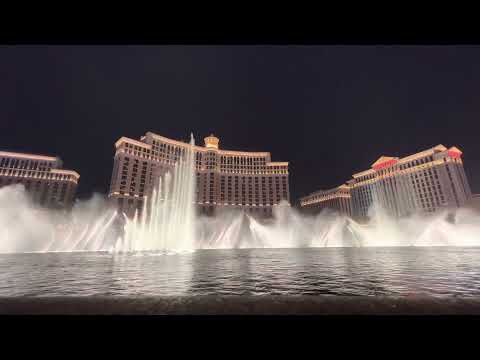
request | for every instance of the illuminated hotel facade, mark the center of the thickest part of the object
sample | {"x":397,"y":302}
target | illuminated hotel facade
{"x":338,"y":199}
{"x":225,"y":179}
{"x":47,"y":184}
{"x":423,"y":182}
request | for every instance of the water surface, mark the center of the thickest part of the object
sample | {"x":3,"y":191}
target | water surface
{"x":406,"y":271}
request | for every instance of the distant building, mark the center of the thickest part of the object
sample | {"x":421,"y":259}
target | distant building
{"x":338,"y":199}
{"x":45,"y":181}
{"x":423,"y":182}
{"x":224,"y":179}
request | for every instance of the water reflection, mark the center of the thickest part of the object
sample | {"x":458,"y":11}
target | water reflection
{"x":150,"y":273}
{"x":221,"y":272}
{"x":338,"y":271}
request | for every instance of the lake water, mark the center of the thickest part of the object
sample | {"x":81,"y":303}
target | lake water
{"x":405,"y":271}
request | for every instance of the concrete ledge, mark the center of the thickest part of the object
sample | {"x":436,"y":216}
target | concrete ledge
{"x":237,"y":305}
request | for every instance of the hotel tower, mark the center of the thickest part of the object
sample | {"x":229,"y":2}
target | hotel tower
{"x":45,"y":181}
{"x":423,"y":182}
{"x":225,"y":179}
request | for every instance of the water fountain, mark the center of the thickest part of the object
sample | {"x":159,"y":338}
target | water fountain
{"x":328,"y":229}
{"x":166,"y":222}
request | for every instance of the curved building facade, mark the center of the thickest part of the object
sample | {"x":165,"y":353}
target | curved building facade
{"x":47,"y":184}
{"x":424,"y":182}
{"x":338,"y":199}
{"x":225,"y":179}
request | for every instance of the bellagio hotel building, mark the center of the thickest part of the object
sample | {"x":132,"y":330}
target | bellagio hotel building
{"x":420,"y":183}
{"x":225,"y":179}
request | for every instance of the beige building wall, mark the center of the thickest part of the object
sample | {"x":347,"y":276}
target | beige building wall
{"x":46,"y":183}
{"x":338,"y":199}
{"x":224,"y":179}
{"x":420,"y":183}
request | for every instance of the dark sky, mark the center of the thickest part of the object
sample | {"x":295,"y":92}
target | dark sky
{"x":330,"y":111}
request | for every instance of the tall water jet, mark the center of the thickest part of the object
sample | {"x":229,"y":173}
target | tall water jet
{"x":166,"y":222}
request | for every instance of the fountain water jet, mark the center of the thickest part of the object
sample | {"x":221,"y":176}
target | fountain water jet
{"x":167,"y":224}
{"x":167,"y":220}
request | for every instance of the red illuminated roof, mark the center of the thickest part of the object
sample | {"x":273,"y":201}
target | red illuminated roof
{"x":384,"y":162}
{"x":454,"y":152}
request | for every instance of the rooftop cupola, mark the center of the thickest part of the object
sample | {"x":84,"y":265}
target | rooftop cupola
{"x":211,"y":142}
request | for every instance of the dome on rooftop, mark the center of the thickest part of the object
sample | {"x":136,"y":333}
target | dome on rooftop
{"x":211,"y":141}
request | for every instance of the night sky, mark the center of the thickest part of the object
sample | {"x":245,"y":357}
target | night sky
{"x":330,"y":111}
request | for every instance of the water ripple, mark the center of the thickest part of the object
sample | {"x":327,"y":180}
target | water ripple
{"x":352,"y":271}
